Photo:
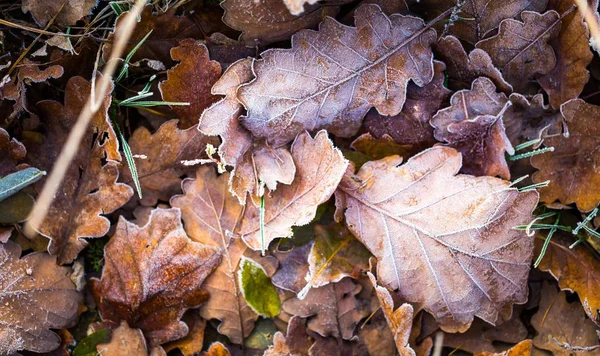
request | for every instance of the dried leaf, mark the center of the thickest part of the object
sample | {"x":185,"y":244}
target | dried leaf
{"x":90,"y":188}
{"x":124,"y":341}
{"x":576,"y":269}
{"x":160,"y":159}
{"x":267,"y":21}
{"x":573,"y":54}
{"x":67,"y":14}
{"x":15,"y":208}
{"x":216,"y":349}
{"x":331,"y":78}
{"x":152,"y":275}
{"x":523,"y":348}
{"x":454,"y":232}
{"x":190,"y":81}
{"x":257,"y":289}
{"x":293,"y":268}
{"x":463,"y":69}
{"x":320,"y":167}
{"x":377,"y":336}
{"x":399,"y":320}
{"x":411,"y":125}
{"x":37,"y":295}
{"x":571,"y":166}
{"x":12,"y":152}
{"x":473,"y":126}
{"x":558,"y":321}
{"x":333,"y":310}
{"x":296,"y":7}
{"x":192,"y":343}
{"x":526,"y":120}
{"x":521,"y":49}
{"x":295,"y":342}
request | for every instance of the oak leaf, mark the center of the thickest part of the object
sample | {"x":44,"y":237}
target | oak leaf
{"x":319,"y":168}
{"x":573,"y":54}
{"x":523,"y":348}
{"x":521,"y":49}
{"x":90,"y":187}
{"x":37,"y":295}
{"x":571,"y":166}
{"x":66,"y":14}
{"x":152,"y":275}
{"x":475,"y":266}
{"x":161,"y":158}
{"x":216,"y":349}
{"x":526,"y":120}
{"x":124,"y":341}
{"x":190,"y":81}
{"x":293,"y":268}
{"x":192,"y":343}
{"x":12,"y":152}
{"x":295,"y":342}
{"x":332,"y":310}
{"x":330,"y":78}
{"x":473,"y":125}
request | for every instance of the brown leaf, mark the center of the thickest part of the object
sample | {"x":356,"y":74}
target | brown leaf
{"x":573,"y":54}
{"x":216,"y":349}
{"x":37,"y":295}
{"x":463,"y":69}
{"x":161,"y":169}
{"x":320,"y":167}
{"x":90,"y":188}
{"x":331,"y":78}
{"x":293,"y":267}
{"x":523,"y":348}
{"x":152,"y":275}
{"x":192,"y":343}
{"x":377,"y":336}
{"x":296,"y":342}
{"x":399,"y":320}
{"x":571,"y":166}
{"x":333,"y":310}
{"x":378,"y":148}
{"x":190,"y":81}
{"x":521,"y":49}
{"x":210,"y":214}
{"x":267,"y":21}
{"x":67,"y":14}
{"x":576,"y":269}
{"x":124,"y":341}
{"x":526,"y":120}
{"x":12,"y":152}
{"x":480,"y":17}
{"x":473,"y":125}
{"x":411,"y":125}
{"x":454,"y":232}
{"x":558,"y":321}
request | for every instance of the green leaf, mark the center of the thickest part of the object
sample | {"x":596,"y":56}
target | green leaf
{"x":257,"y":288}
{"x":15,"y":208}
{"x":87,"y":346}
{"x":262,"y":335}
{"x":14,"y":182}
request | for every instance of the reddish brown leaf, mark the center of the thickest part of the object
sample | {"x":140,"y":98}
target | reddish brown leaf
{"x":295,"y":342}
{"x":12,"y":152}
{"x":190,"y":81}
{"x":216,"y":349}
{"x":571,"y":166}
{"x":523,"y":348}
{"x":320,"y":167}
{"x":333,"y":310}
{"x":477,"y":264}
{"x":293,"y":268}
{"x":90,"y":188}
{"x":521,"y":49}
{"x":152,"y":275}
{"x":331,"y":78}
{"x":124,"y":341}
{"x":473,"y":125}
{"x":37,"y":295}
{"x":67,"y":14}
{"x":526,"y":120}
{"x":192,"y":343}
{"x":463,"y":69}
{"x":162,"y":165}
{"x":411,"y":125}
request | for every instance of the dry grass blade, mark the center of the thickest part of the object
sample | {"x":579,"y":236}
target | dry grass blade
{"x":39,"y":211}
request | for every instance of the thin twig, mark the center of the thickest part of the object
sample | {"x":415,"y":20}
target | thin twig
{"x":40,"y":209}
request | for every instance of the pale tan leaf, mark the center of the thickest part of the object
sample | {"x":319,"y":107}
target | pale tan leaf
{"x":124,"y":341}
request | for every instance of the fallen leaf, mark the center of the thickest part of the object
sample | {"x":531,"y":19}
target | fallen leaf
{"x":576,"y":269}
{"x":571,"y":166}
{"x":192,"y":343}
{"x":399,"y":320}
{"x":124,"y":341}
{"x":257,"y":289}
{"x":523,"y":348}
{"x":296,"y":7}
{"x":478,"y":264}
{"x":573,"y":54}
{"x":377,"y":336}
{"x":463,"y":69}
{"x":293,"y":268}
{"x":330,"y":79}
{"x":190,"y":81}
{"x":5,"y":233}
{"x":378,"y":148}
{"x":16,"y":208}
{"x":558,"y":321}
{"x":473,"y":125}
{"x":160,"y":159}
{"x":521,"y":49}
{"x":216,"y":349}
{"x":90,"y":187}
{"x":12,"y":153}
{"x":332,"y":310}
{"x":152,"y":275}
{"x":66,"y":14}
{"x":319,"y":168}
{"x":37,"y":295}
{"x":295,"y":342}
{"x":267,"y":21}
{"x":411,"y":126}
{"x":526,"y":120}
